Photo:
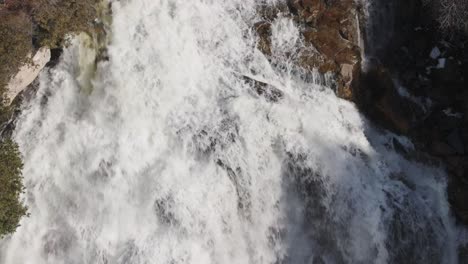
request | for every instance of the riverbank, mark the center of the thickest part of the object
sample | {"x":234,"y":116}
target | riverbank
{"x":29,"y":30}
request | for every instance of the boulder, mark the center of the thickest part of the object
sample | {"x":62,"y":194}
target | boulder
{"x":267,"y":91}
{"x":27,"y":74}
{"x":379,"y":97}
{"x":331,"y":34}
{"x":263,"y":29}
{"x":332,"y":28}
{"x":308,"y":10}
{"x":328,"y":41}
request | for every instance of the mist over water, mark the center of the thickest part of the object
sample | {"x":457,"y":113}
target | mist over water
{"x":173,"y":156}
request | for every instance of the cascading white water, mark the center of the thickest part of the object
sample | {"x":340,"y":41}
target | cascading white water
{"x":174,"y":158}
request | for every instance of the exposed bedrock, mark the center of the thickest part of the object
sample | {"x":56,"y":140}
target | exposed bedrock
{"x":415,"y":84}
{"x":331,"y":34}
{"x":390,"y":58}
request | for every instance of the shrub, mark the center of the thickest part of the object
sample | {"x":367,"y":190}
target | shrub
{"x":452,"y":15}
{"x":57,"y":18}
{"x":11,"y":186}
{"x":15,"y":44}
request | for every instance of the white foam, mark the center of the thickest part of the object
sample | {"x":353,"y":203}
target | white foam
{"x":435,"y":53}
{"x":171,"y":159}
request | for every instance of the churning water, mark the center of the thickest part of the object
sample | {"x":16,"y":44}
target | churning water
{"x":172,"y":155}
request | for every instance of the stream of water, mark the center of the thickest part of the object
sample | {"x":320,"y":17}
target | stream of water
{"x":173,"y":157}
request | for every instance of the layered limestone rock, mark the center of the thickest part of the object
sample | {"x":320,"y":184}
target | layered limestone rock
{"x":27,"y":74}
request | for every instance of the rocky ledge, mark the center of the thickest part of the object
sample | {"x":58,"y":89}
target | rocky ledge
{"x":390,"y":58}
{"x":27,"y":73}
{"x":415,"y":85}
{"x":33,"y":32}
{"x":331,"y":34}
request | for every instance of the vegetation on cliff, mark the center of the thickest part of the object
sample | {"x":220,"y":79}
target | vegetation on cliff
{"x":11,"y":186}
{"x":15,"y":45}
{"x":27,"y":25}
{"x":56,"y":19}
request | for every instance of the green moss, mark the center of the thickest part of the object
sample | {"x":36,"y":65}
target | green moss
{"x":11,"y":186}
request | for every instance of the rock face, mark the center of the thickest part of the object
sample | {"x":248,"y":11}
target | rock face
{"x":27,"y":73}
{"x":384,"y":101}
{"x":415,"y":85}
{"x":331,"y":34}
{"x":412,"y":80}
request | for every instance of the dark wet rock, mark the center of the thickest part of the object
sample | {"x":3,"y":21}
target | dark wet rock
{"x":240,"y":184}
{"x":270,"y":12}
{"x":405,"y":44}
{"x":378,"y":96}
{"x":332,"y":45}
{"x":164,"y":210}
{"x":463,"y":253}
{"x":464,"y":135}
{"x":330,"y":30}
{"x":457,"y":166}
{"x":399,"y":147}
{"x":455,"y":141}
{"x":55,"y":55}
{"x":440,"y":148}
{"x":7,"y":129}
{"x":308,"y":10}
{"x":309,"y":59}
{"x":263,"y":30}
{"x":307,"y":183}
{"x":269,"y":92}
{"x":408,"y":236}
{"x":458,"y":197}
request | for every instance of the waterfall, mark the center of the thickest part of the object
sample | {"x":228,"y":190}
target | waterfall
{"x":188,"y":145}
